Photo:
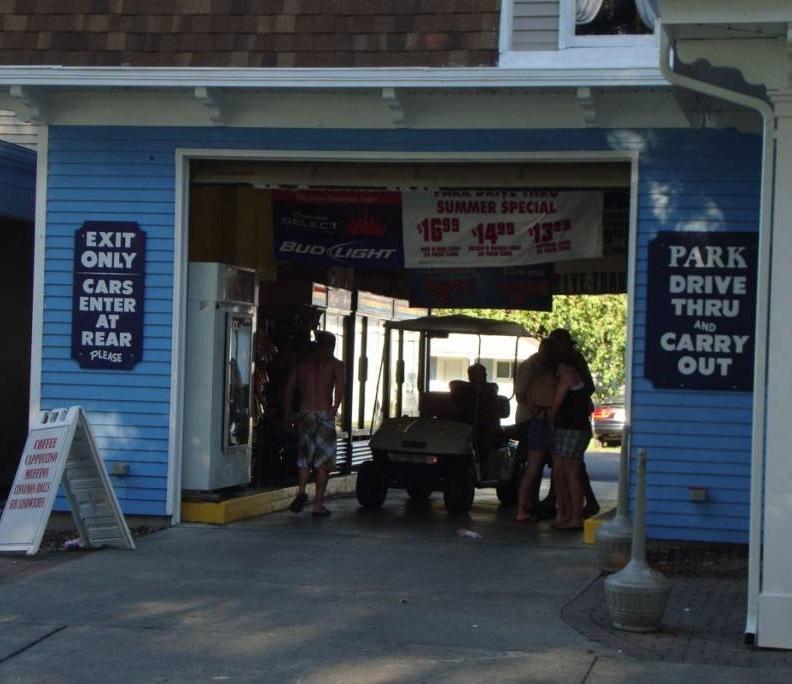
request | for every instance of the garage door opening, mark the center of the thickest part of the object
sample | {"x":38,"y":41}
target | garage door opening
{"x":236,"y":210}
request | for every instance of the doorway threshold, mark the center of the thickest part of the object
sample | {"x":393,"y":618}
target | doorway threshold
{"x":258,"y":503}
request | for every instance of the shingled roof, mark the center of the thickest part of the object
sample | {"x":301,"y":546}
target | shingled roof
{"x":249,"y":33}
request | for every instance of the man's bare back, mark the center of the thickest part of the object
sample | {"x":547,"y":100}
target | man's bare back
{"x":319,"y":379}
{"x":316,"y":379}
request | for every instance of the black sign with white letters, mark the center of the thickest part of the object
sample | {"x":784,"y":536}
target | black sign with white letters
{"x":107,"y":299}
{"x":701,"y":310}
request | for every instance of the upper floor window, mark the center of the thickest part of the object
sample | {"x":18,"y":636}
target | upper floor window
{"x":607,"y":23}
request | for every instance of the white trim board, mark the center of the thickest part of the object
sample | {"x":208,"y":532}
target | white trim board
{"x":560,"y":108}
{"x":473,"y":157}
{"x":181,"y":250}
{"x":39,"y":252}
{"x":180,"y":268}
{"x":588,"y":57}
{"x":725,"y":11}
{"x":506,"y":31}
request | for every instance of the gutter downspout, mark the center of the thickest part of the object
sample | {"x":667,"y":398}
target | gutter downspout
{"x":762,"y":311}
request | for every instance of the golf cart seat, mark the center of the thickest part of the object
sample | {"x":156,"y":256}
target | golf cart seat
{"x":483,"y":410}
{"x":491,"y":405}
{"x":504,"y":407}
{"x":438,"y":405}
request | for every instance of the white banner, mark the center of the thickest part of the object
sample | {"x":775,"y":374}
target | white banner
{"x":490,"y":228}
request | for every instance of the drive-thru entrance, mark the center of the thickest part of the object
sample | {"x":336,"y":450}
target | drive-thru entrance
{"x":361,"y":249}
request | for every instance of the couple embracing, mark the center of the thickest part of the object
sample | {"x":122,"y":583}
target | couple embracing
{"x":554,"y":389}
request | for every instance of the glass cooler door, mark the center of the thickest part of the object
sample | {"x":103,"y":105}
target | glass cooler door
{"x":238,"y":416}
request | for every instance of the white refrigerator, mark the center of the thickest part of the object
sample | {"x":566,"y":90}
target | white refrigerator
{"x":218,"y":408}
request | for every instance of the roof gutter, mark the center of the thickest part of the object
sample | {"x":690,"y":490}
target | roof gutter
{"x":324,"y":79}
{"x":762,"y":307}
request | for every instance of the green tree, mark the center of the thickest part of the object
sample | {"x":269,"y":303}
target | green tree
{"x":598,"y":323}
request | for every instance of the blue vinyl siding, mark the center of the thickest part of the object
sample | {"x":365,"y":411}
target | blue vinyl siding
{"x":92,"y":178}
{"x":688,"y":180}
{"x":694,"y":438}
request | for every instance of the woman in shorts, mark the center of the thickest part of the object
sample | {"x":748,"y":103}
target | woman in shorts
{"x":572,"y":434}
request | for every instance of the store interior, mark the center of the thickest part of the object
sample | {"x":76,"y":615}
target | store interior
{"x":16,"y":280}
{"x":234,"y":436}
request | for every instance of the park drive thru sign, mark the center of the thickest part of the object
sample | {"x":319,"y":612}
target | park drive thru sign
{"x":60,"y":450}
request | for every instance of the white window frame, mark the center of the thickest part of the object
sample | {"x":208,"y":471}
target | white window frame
{"x":567,"y":38}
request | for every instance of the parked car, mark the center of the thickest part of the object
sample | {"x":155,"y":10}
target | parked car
{"x":608,"y":421}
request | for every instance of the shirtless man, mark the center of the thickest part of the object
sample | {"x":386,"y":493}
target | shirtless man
{"x":535,"y":390}
{"x":319,"y":380}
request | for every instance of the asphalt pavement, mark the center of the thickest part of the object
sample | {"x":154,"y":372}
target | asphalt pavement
{"x":602,"y":464}
{"x":405,"y":594}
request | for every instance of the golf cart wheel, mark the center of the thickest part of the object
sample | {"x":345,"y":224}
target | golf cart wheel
{"x":460,"y":489}
{"x":370,"y":488}
{"x":507,"y":493}
{"x":419,"y":490}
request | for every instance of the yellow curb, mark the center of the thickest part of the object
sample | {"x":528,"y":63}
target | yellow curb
{"x":590,"y":525}
{"x":261,"y":503}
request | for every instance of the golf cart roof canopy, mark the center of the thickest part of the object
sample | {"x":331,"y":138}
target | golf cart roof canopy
{"x":459,"y":323}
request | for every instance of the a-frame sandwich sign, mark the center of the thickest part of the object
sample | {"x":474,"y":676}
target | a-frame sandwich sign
{"x":60,"y":450}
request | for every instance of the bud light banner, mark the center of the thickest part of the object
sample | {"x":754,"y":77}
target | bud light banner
{"x":500,"y":227}
{"x":353,"y":228}
{"x":107,"y":299}
{"x":701,"y":310}
{"x":518,"y":287}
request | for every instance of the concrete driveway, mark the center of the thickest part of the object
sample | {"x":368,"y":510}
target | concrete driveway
{"x":392,"y":596}
{"x":396,"y":595}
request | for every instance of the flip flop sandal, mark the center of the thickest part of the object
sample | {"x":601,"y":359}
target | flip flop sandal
{"x":321,"y":513}
{"x":299,"y":501}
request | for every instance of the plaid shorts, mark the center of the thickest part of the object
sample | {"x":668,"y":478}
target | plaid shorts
{"x":571,"y":443}
{"x":316,"y":439}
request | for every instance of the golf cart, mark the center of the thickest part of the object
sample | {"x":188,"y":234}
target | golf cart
{"x":452,"y":441}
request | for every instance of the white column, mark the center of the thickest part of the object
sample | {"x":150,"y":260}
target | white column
{"x":774,"y":627}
